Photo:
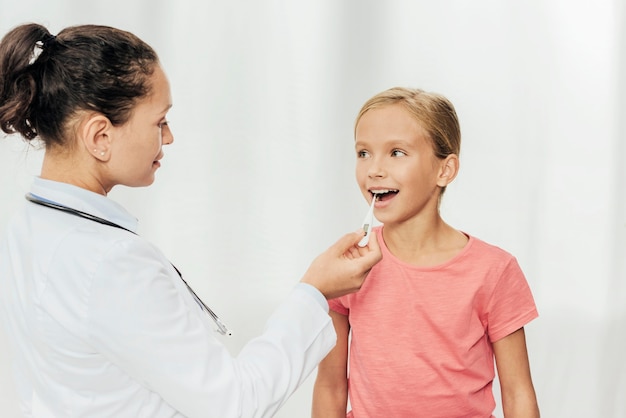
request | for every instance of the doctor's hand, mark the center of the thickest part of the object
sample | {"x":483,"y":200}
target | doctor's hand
{"x":342,"y":268}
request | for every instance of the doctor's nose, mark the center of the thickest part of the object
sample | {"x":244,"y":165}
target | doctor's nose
{"x":166,"y":135}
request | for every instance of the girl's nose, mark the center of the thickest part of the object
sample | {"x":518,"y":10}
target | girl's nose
{"x":375,"y":169}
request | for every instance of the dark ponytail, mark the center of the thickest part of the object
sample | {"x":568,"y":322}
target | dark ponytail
{"x":18,"y":88}
{"x":45,"y":80}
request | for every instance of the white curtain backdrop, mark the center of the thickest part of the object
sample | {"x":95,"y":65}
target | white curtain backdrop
{"x":260,"y":177}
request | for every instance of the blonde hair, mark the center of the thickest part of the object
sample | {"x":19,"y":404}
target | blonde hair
{"x":434,"y":113}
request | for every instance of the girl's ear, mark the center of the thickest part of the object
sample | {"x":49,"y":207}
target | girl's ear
{"x":448,"y":170}
{"x":95,"y":133}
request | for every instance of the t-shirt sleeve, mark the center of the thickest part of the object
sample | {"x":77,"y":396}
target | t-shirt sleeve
{"x":339,"y":305}
{"x":511,"y":305}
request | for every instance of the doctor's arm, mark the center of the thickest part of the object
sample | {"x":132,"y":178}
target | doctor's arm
{"x":155,"y":333}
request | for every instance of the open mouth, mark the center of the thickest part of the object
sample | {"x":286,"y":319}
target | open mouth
{"x":384,"y":194}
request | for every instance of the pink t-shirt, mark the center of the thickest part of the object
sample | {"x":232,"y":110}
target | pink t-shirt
{"x":421,"y":336}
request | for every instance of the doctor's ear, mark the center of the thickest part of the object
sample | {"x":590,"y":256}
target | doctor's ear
{"x":95,"y":132}
{"x":448,"y":169}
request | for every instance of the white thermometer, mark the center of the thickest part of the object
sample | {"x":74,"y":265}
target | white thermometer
{"x":367,"y":223}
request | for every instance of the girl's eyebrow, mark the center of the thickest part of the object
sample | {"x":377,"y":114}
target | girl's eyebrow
{"x":392,"y":143}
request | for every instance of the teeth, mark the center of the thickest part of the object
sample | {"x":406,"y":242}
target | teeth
{"x":383,"y":191}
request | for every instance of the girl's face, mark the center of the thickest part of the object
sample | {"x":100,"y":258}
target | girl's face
{"x":395,"y":158}
{"x":137,"y":145}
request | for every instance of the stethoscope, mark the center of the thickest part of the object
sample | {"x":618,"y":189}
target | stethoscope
{"x":221,"y":328}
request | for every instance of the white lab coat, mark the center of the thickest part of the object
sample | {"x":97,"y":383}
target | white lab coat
{"x":102,"y":326}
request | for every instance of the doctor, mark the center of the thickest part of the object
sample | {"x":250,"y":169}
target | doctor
{"x":101,"y":324}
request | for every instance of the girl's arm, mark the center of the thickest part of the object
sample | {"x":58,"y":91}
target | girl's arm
{"x":518,"y":393}
{"x":330,"y":393}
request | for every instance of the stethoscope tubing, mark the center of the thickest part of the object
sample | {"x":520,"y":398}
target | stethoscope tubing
{"x":221,"y":327}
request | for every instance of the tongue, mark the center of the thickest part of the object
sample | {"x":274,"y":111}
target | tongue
{"x":386,"y":196}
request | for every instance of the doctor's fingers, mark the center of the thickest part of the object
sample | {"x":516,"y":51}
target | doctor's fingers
{"x":371,"y":250}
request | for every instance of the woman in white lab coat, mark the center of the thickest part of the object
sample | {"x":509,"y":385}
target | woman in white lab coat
{"x":101,"y":324}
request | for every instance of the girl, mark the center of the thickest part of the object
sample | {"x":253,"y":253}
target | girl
{"x":438,"y":308}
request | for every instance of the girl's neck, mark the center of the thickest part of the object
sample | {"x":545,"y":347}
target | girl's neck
{"x":424,"y":242}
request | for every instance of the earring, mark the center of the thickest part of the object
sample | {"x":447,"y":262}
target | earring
{"x":102,"y":153}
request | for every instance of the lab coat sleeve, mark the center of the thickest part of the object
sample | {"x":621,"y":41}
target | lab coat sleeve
{"x":141,"y":320}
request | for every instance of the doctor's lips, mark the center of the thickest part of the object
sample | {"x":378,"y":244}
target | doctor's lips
{"x":158,"y":160}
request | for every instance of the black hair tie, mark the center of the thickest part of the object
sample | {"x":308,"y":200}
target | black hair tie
{"x":48,"y":39}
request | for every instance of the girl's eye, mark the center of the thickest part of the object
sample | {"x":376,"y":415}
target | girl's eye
{"x":162,"y":124}
{"x":362,"y":154}
{"x":398,"y":153}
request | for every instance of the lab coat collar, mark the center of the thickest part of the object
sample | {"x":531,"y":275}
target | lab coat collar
{"x":85,"y":201}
